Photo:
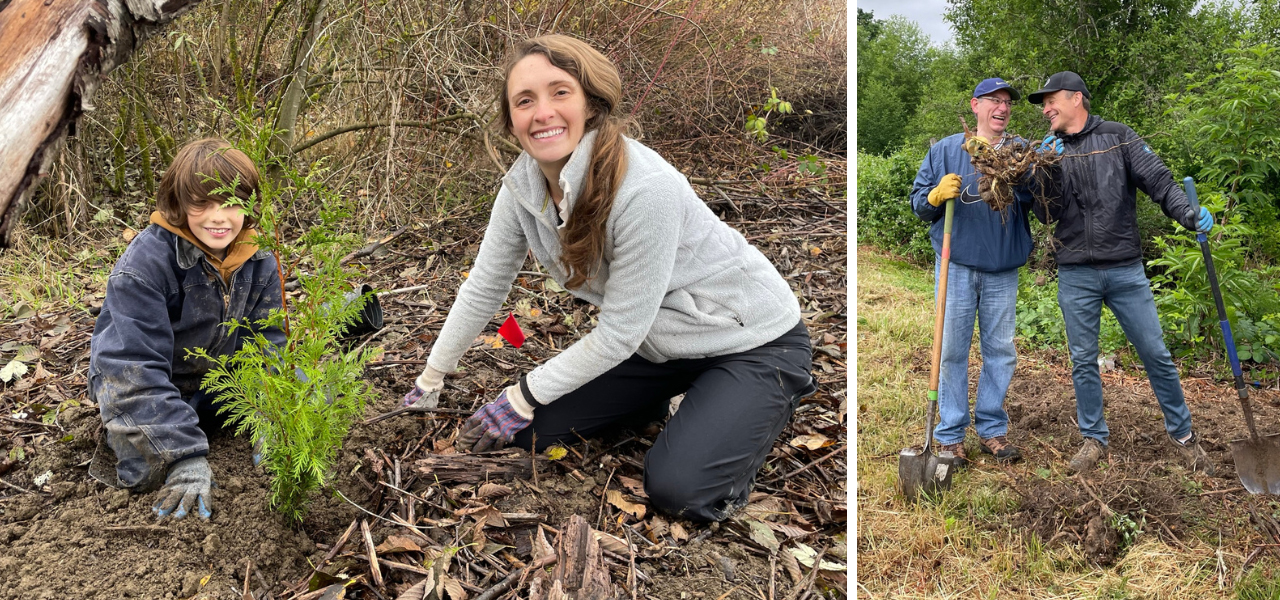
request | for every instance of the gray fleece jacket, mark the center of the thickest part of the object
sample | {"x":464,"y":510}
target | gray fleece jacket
{"x":675,"y":281}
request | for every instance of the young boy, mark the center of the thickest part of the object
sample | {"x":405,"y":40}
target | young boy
{"x":192,"y":270}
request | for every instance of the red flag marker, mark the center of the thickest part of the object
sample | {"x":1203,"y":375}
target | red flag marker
{"x":511,"y":332}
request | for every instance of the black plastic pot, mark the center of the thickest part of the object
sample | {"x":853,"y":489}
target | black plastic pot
{"x":370,"y":318}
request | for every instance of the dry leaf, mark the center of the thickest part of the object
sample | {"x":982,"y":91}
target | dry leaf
{"x":678,"y":532}
{"x":658,"y":528}
{"x":790,"y":531}
{"x":128,"y":234}
{"x":454,"y":589}
{"x":624,"y":505}
{"x":612,"y":543}
{"x":397,"y":543}
{"x":761,"y":534}
{"x":491,"y":490}
{"x":635,"y":486}
{"x":792,"y":567}
{"x":763,"y":509}
{"x":541,"y":547}
{"x":812,"y":441}
{"x":807,"y":555}
{"x":815,"y":251}
{"x":420,"y":590}
{"x":14,"y":370}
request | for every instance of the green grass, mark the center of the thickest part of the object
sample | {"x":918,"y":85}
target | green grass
{"x":48,"y":275}
{"x":962,"y":545}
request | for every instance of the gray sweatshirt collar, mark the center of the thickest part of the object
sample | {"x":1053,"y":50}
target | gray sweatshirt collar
{"x":529,"y":184}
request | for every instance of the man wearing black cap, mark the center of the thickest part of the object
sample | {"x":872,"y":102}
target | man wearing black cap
{"x":1099,"y":256}
{"x":982,"y":281}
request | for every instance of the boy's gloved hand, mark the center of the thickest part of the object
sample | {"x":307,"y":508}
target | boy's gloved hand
{"x":186,"y":489}
{"x":1205,"y":221}
{"x":496,"y":423}
{"x":947,"y":189}
{"x":426,"y":389}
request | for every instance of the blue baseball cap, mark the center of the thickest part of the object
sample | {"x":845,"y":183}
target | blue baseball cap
{"x":995,"y":83}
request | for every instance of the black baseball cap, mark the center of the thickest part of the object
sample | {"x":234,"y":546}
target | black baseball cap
{"x":1065,"y":80}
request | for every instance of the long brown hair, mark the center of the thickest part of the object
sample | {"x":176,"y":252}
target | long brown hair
{"x":199,"y":168}
{"x":582,"y":243}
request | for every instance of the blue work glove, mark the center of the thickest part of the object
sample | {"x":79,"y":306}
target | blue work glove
{"x":1051,"y":143}
{"x":496,"y":423}
{"x":1205,"y":222}
{"x":186,"y":489}
{"x":426,"y":389}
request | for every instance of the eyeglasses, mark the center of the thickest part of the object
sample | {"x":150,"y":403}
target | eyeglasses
{"x":1007,"y":103}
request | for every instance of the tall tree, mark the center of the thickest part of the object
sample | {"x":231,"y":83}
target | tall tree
{"x":893,"y":67}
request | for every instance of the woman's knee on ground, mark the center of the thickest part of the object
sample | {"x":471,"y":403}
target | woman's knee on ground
{"x":687,"y":491}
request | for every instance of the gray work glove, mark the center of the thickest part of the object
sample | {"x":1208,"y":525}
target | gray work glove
{"x":186,"y":489}
{"x":426,"y":389}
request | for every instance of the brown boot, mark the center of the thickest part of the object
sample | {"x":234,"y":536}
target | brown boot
{"x":1000,"y":448}
{"x":958,"y":450}
{"x":1193,"y":456}
{"x":1088,"y":456}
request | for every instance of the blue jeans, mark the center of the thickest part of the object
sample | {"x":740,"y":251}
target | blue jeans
{"x":991,"y":298}
{"x":1082,"y":290}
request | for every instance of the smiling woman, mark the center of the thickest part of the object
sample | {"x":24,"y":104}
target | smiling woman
{"x":687,"y":306}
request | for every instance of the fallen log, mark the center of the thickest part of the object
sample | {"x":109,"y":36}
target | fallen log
{"x":476,"y":468}
{"x":52,"y":57}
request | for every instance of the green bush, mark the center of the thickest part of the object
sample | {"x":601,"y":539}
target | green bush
{"x":1039,"y":319}
{"x":883,"y":201}
{"x":1185,"y":301}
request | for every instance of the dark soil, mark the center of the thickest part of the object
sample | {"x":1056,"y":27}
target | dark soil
{"x":70,"y":536}
{"x":1140,"y":484}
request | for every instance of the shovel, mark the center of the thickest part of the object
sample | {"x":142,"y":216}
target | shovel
{"x":1257,"y":457}
{"x":920,"y":471}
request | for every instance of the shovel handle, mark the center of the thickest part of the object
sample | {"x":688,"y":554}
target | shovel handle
{"x":940,"y":300}
{"x":1241,"y":389}
{"x":939,"y":318}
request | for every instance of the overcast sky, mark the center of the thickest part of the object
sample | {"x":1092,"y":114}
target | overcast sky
{"x":926,"y":13}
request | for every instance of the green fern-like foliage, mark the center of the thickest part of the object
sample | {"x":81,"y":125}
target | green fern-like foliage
{"x":299,"y":400}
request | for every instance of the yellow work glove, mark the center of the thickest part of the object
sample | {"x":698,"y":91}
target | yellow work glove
{"x":947,"y":189}
{"x":976,"y":144}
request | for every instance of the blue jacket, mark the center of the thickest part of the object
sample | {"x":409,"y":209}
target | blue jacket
{"x":981,"y":238}
{"x":164,"y":296}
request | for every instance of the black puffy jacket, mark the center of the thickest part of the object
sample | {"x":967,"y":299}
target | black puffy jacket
{"x":1093,"y":195}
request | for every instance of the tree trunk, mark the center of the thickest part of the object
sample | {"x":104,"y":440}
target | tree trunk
{"x":52,"y":57}
{"x":295,"y":95}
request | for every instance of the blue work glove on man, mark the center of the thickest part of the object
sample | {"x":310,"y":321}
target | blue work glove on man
{"x":1205,"y":221}
{"x":426,"y":389}
{"x":1051,"y":143}
{"x":186,"y":489}
{"x":496,"y":423}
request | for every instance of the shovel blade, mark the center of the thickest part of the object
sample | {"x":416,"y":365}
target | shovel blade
{"x":1258,"y":463}
{"x":922,"y":473}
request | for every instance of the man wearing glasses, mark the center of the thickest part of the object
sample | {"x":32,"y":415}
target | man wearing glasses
{"x":987,"y":247}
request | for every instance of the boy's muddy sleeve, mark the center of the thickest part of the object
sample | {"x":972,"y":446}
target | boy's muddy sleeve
{"x":147,"y":424}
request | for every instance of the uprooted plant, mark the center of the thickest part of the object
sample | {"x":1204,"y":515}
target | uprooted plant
{"x":297,"y":401}
{"x":1002,"y":167}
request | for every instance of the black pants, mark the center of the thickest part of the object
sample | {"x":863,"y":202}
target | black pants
{"x":702,"y":465}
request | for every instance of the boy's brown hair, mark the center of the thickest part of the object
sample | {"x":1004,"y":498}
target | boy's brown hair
{"x":199,"y":168}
